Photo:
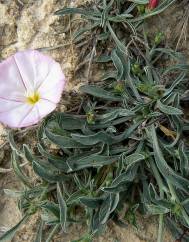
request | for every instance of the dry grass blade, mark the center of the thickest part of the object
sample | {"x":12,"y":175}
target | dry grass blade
{"x":183,"y":25}
{"x":4,"y":170}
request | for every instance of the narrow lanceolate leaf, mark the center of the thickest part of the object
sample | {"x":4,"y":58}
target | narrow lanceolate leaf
{"x":103,"y":59}
{"x":8,"y":236}
{"x":93,"y":138}
{"x":51,"y":207}
{"x":184,"y":161}
{"x":39,"y":234}
{"x":18,"y":171}
{"x":13,"y":194}
{"x":48,"y":174}
{"x":90,"y":160}
{"x":70,"y":122}
{"x":127,"y":132}
{"x":12,"y":143}
{"x":75,"y":197}
{"x":63,"y":141}
{"x":63,"y":207}
{"x":113,"y":114}
{"x":99,"y":125}
{"x":121,"y":182}
{"x":120,"y":18}
{"x":31,"y":193}
{"x":91,"y":202}
{"x":114,"y":201}
{"x":119,"y":44}
{"x":176,"y":82}
{"x":56,"y":161}
{"x":52,"y":233}
{"x":79,"y":34}
{"x":100,"y":93}
{"x":118,"y":64}
{"x":156,"y":209}
{"x":42,"y":169}
{"x":109,"y":75}
{"x":126,"y":176}
{"x":104,"y":137}
{"x":176,"y":179}
{"x":105,"y":208}
{"x":168,"y":109}
{"x":133,"y":158}
{"x":27,"y":153}
{"x":81,"y":11}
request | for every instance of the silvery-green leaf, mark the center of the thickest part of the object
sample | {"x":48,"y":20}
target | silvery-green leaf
{"x":39,"y":234}
{"x":8,"y":236}
{"x":18,"y":171}
{"x":91,"y":202}
{"x":52,"y":232}
{"x":62,"y":207}
{"x":133,"y":158}
{"x":156,"y":209}
{"x":47,"y":174}
{"x":81,"y":11}
{"x":168,"y":109}
{"x":56,"y":161}
{"x":100,"y":93}
{"x":52,"y":207}
{"x":70,"y":122}
{"x":13,"y":193}
{"x":91,"y":160}
{"x":176,"y":179}
{"x":118,"y":64}
{"x":62,"y":141}
{"x":75,"y":197}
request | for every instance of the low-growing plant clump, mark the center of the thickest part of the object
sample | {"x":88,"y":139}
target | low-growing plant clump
{"x":125,"y":143}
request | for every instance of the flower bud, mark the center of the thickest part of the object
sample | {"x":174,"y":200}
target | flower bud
{"x":158,"y":38}
{"x":90,"y":117}
{"x":136,"y":69}
{"x":141,"y":8}
{"x":119,"y":87}
{"x":153,"y":4}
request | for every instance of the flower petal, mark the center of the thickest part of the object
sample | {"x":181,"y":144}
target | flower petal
{"x":18,"y":116}
{"x":38,"y":69}
{"x":11,"y":85}
{"x":44,"y":65}
{"x":45,"y":107}
{"x":13,"y":114}
{"x":32,"y":117}
{"x":37,"y":112}
{"x":25,"y":61}
{"x":53,"y":94}
{"x":53,"y":85}
{"x":7,"y":105}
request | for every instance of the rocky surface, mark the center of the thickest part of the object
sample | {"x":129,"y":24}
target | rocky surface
{"x":33,"y":25}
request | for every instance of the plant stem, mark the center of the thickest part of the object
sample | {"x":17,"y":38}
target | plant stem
{"x":175,"y":197}
{"x":160,"y":229}
{"x":53,"y":231}
{"x":162,"y":188}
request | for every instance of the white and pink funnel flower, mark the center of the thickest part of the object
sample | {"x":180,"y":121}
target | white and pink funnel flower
{"x":31,"y":85}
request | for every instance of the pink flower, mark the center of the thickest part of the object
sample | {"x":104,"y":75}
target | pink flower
{"x":31,"y":85}
{"x":153,"y":4}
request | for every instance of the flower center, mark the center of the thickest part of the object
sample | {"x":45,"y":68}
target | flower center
{"x":33,"y":98}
